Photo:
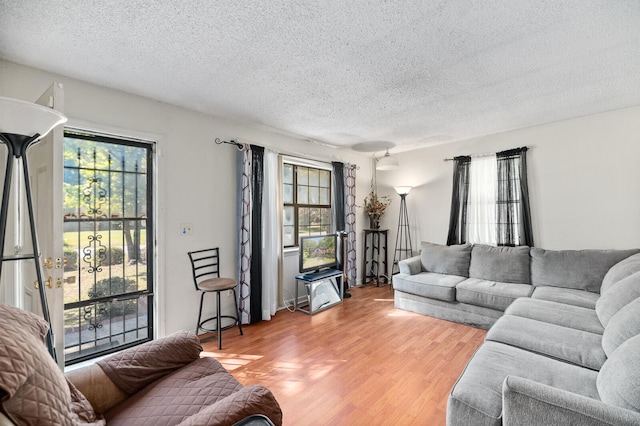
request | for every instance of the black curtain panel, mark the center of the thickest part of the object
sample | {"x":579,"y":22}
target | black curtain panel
{"x":257,"y":179}
{"x":513,"y":206}
{"x":458,"y":216}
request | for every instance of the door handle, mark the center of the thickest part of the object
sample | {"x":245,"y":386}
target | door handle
{"x":48,"y":282}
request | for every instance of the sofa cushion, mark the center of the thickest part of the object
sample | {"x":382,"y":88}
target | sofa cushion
{"x":476,"y":398}
{"x":429,"y":284}
{"x":623,"y":292}
{"x":579,"y":269}
{"x":176,"y":396}
{"x":248,"y":401}
{"x":568,"y":296}
{"x":33,"y":390}
{"x":135,"y":368}
{"x":501,"y":264}
{"x":622,"y":326}
{"x":575,"y":346}
{"x":621,"y":270}
{"x":619,"y":379}
{"x":557,"y":313}
{"x":451,"y":260}
{"x":490,"y":294}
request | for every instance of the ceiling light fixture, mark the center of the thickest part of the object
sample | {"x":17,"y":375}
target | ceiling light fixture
{"x":387,"y":162}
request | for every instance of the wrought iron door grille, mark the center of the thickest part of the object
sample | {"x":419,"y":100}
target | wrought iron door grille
{"x":108,"y":234}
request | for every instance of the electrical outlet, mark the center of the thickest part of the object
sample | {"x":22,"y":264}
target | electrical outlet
{"x":186,"y":229}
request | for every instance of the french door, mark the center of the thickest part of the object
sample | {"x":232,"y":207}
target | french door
{"x":108,"y":244}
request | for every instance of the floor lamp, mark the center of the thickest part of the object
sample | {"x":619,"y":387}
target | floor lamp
{"x":22,"y":124}
{"x":403,"y":250}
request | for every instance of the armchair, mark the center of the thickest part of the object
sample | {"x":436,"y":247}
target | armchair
{"x":162,"y":382}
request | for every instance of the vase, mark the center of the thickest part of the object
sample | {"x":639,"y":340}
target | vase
{"x":374,"y":222}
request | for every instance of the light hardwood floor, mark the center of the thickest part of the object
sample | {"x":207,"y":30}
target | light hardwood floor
{"x":362,"y":362}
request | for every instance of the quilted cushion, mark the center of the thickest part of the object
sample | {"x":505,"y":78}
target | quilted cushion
{"x":176,"y":396}
{"x":33,"y":390}
{"x":254,"y":399}
{"x":137,"y":367}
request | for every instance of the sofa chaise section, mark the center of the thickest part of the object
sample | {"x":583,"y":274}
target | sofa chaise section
{"x":545,"y":362}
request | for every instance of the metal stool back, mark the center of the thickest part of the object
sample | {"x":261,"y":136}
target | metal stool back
{"x":205,"y":265}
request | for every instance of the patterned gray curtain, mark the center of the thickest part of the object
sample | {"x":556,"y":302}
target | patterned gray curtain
{"x":350,"y":220}
{"x":244,"y":208}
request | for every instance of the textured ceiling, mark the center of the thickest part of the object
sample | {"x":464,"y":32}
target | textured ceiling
{"x":413,"y":73}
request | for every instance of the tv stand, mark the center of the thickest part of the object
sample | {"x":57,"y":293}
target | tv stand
{"x":323,"y":290}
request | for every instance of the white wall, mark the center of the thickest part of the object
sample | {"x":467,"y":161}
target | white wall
{"x":584,"y":180}
{"x":196,"y":177}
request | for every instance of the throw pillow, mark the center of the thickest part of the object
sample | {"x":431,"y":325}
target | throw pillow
{"x":451,"y":260}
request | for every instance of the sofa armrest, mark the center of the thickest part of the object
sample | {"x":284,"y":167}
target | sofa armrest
{"x":525,"y":402}
{"x":410,"y":266}
{"x":254,"y":399}
{"x":139,"y":366}
{"x":94,"y":384}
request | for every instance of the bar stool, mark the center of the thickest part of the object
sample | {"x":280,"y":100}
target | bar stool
{"x":205,"y":265}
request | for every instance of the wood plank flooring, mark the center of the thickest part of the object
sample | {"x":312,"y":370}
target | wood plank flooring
{"x":362,"y":362}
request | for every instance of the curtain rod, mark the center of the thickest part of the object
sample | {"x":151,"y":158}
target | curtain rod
{"x":231,"y":142}
{"x":240,"y":147}
{"x":486,"y":154}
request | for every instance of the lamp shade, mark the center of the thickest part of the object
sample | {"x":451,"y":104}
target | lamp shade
{"x":402,"y":190}
{"x":387,"y":162}
{"x":26,"y":118}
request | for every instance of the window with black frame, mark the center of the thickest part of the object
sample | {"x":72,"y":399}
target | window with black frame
{"x":307,"y":202}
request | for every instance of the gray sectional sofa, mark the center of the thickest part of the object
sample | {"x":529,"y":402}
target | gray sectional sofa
{"x":563,"y":345}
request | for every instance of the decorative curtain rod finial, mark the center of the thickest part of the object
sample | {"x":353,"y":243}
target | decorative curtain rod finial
{"x":231,"y":142}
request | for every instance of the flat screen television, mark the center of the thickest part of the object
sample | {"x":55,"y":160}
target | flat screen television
{"x":318,"y":253}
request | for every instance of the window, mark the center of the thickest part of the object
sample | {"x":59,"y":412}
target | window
{"x":481,"y":203}
{"x":307,"y":202}
{"x":490,"y":200}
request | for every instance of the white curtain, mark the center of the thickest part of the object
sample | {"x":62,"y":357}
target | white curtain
{"x":481,"y":206}
{"x":271,"y":245}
